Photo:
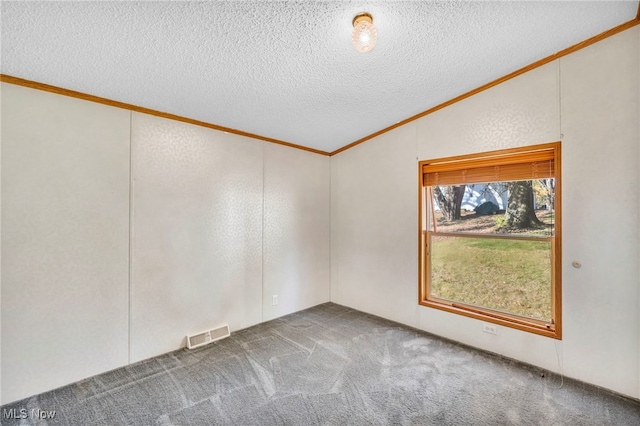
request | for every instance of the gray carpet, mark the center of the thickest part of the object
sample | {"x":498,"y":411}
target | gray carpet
{"x":329,"y":365}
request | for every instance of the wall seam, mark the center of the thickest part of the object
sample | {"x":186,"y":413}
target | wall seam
{"x":638,"y":265}
{"x":130,"y":316}
{"x":417,"y":307}
{"x":262,"y":302}
{"x":560,"y":352}
{"x":331,"y":230}
{"x":334,"y":221}
{"x":560,"y":98}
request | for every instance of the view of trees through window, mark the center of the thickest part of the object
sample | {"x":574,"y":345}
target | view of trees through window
{"x":490,"y":245}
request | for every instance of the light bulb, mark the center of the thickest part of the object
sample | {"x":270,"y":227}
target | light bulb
{"x":364,"y":35}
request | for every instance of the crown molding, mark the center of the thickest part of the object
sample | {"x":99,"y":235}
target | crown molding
{"x":91,"y":98}
{"x":537,"y":64}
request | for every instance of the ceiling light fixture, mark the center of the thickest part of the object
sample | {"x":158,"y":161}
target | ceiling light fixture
{"x":364,"y":34}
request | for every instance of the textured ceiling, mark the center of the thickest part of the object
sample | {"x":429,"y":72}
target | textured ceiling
{"x":287,"y":70}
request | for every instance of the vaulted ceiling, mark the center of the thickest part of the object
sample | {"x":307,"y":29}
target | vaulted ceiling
{"x":287,"y":70}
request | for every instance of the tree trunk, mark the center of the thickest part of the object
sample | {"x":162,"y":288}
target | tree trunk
{"x":552,"y":194}
{"x":449,"y":199}
{"x":520,"y":212}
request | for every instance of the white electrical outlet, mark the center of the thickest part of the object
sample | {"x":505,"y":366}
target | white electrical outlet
{"x":274,"y":300}
{"x":489,"y":328}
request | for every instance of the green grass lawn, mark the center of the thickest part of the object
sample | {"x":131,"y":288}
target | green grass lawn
{"x":505,"y":275}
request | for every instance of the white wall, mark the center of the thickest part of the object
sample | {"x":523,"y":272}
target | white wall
{"x":197,"y":233}
{"x":65,"y":240}
{"x":600,"y":111}
{"x":589,"y":100}
{"x":374,"y":226}
{"x":100,"y":270}
{"x":297,"y":224}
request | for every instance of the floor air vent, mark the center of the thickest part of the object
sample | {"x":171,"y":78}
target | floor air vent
{"x":201,"y":339}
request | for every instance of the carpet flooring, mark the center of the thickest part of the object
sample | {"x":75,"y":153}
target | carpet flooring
{"x":328,"y":365}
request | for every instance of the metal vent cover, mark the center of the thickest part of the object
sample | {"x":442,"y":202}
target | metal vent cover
{"x":206,"y":337}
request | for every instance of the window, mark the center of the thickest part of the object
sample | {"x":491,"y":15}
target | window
{"x":490,"y":237}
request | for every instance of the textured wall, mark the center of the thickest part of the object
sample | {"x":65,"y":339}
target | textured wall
{"x":522,"y":111}
{"x":591,"y":97}
{"x":374,"y":222}
{"x":197,"y":233}
{"x":202,"y":213}
{"x":297,"y":223}
{"x":65,"y":240}
{"x":600,"y":114}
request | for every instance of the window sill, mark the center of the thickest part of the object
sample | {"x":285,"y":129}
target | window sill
{"x":518,"y":323}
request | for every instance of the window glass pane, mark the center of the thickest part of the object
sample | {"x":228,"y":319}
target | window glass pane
{"x":502,"y":274}
{"x":518,"y":207}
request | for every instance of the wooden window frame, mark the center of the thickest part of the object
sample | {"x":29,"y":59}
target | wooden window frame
{"x":482,"y":161}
